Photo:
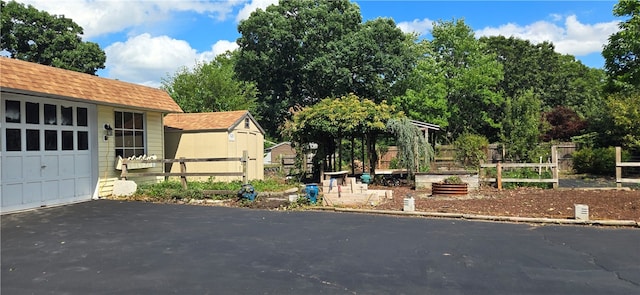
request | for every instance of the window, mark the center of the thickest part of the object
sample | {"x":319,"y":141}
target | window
{"x":129,"y":134}
{"x":247,"y":123}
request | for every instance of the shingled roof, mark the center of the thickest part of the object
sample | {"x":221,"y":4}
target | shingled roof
{"x":207,"y":121}
{"x":23,"y":77}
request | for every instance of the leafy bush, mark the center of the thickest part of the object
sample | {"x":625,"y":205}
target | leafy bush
{"x":599,"y":161}
{"x":171,"y":189}
{"x":471,"y":149}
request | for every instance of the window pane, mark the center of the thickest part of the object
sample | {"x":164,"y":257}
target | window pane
{"x":12,"y":111}
{"x":139,"y":139}
{"x":139,"y":152}
{"x":50,"y":140}
{"x":83,"y":140}
{"x":14,"y":141}
{"x":33,"y":140}
{"x":32,"y":113}
{"x":67,"y":140}
{"x":119,"y":138}
{"x":66,"y":114}
{"x":81,"y":113}
{"x":50,"y":115}
{"x":128,"y":153}
{"x":120,"y":152}
{"x":128,"y":121}
{"x":128,"y":139}
{"x":138,"y":121}
{"x":118,"y":119}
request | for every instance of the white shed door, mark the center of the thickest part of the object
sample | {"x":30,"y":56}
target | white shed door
{"x":46,"y":152}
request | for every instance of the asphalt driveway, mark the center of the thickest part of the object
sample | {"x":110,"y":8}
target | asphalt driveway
{"x":110,"y":247}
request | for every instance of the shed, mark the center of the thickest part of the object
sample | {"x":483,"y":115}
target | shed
{"x":62,"y":132}
{"x":215,"y":135}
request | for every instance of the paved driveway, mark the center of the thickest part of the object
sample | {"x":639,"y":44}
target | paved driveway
{"x":108,"y":247}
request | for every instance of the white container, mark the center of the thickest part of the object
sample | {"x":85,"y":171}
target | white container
{"x":293,"y":198}
{"x":409,"y":204}
{"x":582,"y":212}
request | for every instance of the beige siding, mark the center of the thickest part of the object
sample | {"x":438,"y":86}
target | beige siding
{"x":219,"y":144}
{"x":106,"y":149}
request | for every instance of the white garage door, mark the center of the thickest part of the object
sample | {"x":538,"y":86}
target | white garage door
{"x":46,"y":152}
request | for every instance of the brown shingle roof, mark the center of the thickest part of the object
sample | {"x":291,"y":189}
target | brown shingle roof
{"x":31,"y":78}
{"x":206,"y":121}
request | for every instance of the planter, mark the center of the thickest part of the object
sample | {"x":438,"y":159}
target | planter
{"x":448,"y":189}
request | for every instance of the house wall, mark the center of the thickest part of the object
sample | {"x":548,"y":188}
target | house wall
{"x":107,"y":172}
{"x":284,"y":150}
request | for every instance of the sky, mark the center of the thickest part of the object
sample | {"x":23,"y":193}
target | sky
{"x":147,"y":41}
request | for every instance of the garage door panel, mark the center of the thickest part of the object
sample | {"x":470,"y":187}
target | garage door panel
{"x":81,"y":164}
{"x":32,"y":167}
{"x":12,"y":169}
{"x":67,"y":188}
{"x":83,"y":186}
{"x":50,"y":163}
{"x":67,"y":165}
{"x":11,"y":194}
{"x":32,"y":193}
{"x":50,"y":190}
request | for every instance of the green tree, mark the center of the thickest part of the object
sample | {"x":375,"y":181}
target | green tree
{"x":621,"y":52}
{"x":414,"y":152}
{"x":426,"y":96}
{"x":330,"y":120}
{"x":301,"y":51}
{"x":521,"y":125}
{"x":471,"y":78}
{"x":36,"y":36}
{"x":624,"y":110}
{"x":211,"y":87}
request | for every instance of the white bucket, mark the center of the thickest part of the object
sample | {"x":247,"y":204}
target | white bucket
{"x":409,"y":204}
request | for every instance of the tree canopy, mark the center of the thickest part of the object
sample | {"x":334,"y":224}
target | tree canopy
{"x":622,"y":52}
{"x":211,"y":87}
{"x":37,"y":36}
{"x":301,"y":51}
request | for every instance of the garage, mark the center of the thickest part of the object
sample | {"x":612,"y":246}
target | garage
{"x":61,"y":133}
{"x":46,"y":152}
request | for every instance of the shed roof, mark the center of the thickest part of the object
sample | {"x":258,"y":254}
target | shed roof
{"x":207,"y":121}
{"x":29,"y":78}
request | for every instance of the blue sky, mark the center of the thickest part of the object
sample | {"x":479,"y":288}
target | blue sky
{"x":148,"y":40}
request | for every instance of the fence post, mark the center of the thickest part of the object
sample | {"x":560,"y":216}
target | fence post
{"x":554,"y":170}
{"x":618,"y":167}
{"x":245,"y":160}
{"x":183,"y":169}
{"x":499,"y":175}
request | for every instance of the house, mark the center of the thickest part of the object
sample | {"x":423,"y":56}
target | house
{"x":215,"y":135}
{"x":279,"y":152}
{"x":62,"y":131}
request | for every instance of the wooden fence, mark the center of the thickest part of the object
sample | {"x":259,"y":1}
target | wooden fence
{"x":499,"y":166}
{"x":619,"y":165}
{"x":183,"y":168}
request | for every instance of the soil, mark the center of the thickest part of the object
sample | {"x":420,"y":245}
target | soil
{"x":604,"y":204}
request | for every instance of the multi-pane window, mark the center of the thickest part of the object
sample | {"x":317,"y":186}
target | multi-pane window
{"x":129,"y":134}
{"x":39,"y":126}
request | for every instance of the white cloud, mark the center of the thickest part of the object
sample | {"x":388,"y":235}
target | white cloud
{"x":252,"y":6}
{"x":420,"y":27}
{"x":98,"y":17}
{"x":572,"y":37}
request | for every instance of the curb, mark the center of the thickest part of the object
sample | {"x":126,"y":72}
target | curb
{"x":626,"y":223}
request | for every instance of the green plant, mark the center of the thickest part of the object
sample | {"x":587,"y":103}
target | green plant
{"x":453,"y":180}
{"x":471,"y":149}
{"x":599,"y":161}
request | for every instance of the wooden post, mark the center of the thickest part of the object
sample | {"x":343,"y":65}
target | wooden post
{"x":499,"y":175}
{"x":245,"y":162}
{"x":554,"y":170}
{"x":183,"y":169}
{"x":618,"y":167}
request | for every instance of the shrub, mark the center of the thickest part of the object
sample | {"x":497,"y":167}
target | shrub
{"x":471,"y":149}
{"x":599,"y":161}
